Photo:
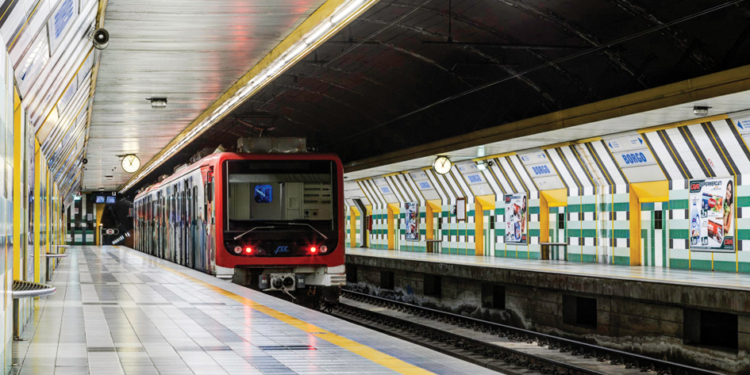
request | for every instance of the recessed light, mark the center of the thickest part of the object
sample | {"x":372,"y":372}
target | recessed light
{"x":158,"y":102}
{"x":701,"y":110}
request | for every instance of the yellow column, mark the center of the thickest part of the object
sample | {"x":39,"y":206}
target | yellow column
{"x":97,"y":230}
{"x":353,"y":213}
{"x":392,"y":212}
{"x":478,"y":227}
{"x":19,"y":224}
{"x":635,"y":229}
{"x":37,"y":212}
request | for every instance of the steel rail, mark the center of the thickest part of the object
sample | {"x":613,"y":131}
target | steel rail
{"x":656,"y":364}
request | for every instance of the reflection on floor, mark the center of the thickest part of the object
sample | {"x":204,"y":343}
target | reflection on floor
{"x":118,"y":311}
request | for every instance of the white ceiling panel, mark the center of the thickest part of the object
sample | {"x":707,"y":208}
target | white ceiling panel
{"x":188,"y":51}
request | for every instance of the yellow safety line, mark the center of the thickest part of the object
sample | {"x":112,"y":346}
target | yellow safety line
{"x":376,"y":356}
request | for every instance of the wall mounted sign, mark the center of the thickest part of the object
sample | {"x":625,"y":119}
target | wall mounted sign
{"x":411,"y":211}
{"x":515,"y":219}
{"x":712,"y":213}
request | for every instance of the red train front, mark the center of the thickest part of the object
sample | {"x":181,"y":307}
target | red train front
{"x":271,"y":221}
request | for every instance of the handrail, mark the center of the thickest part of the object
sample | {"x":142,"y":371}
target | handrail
{"x":27,"y":289}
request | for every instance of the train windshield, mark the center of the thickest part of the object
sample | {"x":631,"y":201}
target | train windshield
{"x":291,"y":195}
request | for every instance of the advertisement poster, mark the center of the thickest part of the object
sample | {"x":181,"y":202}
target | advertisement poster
{"x":712,"y":214}
{"x":515,"y":218}
{"x":412,"y":221}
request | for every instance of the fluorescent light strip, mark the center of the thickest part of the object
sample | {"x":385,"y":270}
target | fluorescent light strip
{"x":290,"y":56}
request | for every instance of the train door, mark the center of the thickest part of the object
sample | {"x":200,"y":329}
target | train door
{"x":188,"y":224}
{"x":152,"y":234}
{"x":194,"y":205}
{"x":162,"y":225}
{"x":210,"y":222}
{"x":170,"y":223}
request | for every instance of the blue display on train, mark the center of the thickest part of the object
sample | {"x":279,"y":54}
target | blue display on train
{"x":263,"y":194}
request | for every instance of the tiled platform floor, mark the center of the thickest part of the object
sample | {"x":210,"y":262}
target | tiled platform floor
{"x":721,"y":280}
{"x":118,"y":311}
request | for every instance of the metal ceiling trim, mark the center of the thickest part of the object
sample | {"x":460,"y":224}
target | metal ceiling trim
{"x":706,"y":87}
{"x":66,"y":121}
{"x":321,"y":14}
{"x":101,"y":13}
{"x":60,"y":162}
{"x":58,"y":91}
{"x":56,"y":66}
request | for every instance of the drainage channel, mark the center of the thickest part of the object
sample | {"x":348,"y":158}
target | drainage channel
{"x":499,"y":347}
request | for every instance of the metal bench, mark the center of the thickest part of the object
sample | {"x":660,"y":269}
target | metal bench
{"x":52,"y":256}
{"x":27,"y":289}
{"x":546,"y":246}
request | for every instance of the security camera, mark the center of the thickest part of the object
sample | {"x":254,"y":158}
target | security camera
{"x":85,"y":160}
{"x":101,"y":38}
{"x":490,"y":163}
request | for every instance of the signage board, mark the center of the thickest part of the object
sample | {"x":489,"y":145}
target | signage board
{"x":516,"y":219}
{"x":712,"y":215}
{"x":411,"y":211}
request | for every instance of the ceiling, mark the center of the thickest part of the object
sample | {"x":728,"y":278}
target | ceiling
{"x":190,"y":52}
{"x":410,"y":72}
{"x":737,"y":103}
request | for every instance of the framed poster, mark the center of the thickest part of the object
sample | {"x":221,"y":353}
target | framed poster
{"x":712,"y":213}
{"x":411,"y":210}
{"x":515,"y":219}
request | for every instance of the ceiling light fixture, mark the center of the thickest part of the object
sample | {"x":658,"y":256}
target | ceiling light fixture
{"x":335,"y":22}
{"x":159,"y":102}
{"x":701,"y":110}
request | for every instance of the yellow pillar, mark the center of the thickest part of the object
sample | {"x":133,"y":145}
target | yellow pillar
{"x":478,"y":227}
{"x":97,"y":230}
{"x":353,"y":213}
{"x":393,"y":211}
{"x":19,"y":224}
{"x":635,"y":229}
{"x":543,"y":219}
{"x":37,"y":212}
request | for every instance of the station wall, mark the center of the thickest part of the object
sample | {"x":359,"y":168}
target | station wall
{"x":584,"y":194}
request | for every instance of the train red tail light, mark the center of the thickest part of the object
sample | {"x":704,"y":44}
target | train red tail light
{"x":313,"y":249}
{"x":248,"y":250}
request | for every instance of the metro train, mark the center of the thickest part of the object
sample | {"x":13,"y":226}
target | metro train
{"x":273,"y":222}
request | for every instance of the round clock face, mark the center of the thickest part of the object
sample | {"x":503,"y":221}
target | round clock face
{"x":442,"y":165}
{"x":131,"y":163}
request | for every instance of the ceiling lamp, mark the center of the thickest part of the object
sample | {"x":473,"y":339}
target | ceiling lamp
{"x":158,"y":102}
{"x":701,"y":110}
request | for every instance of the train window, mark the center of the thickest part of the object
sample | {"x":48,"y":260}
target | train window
{"x":278,"y":190}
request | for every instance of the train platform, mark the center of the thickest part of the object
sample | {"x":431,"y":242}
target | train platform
{"x":659,"y":275}
{"x":118,"y":311}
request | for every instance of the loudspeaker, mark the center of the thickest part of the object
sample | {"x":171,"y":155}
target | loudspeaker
{"x":101,"y":38}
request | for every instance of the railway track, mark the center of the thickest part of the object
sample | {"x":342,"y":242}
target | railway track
{"x":503,"y":348}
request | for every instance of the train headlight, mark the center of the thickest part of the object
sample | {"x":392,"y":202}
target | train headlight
{"x":324,"y":249}
{"x":238,"y":250}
